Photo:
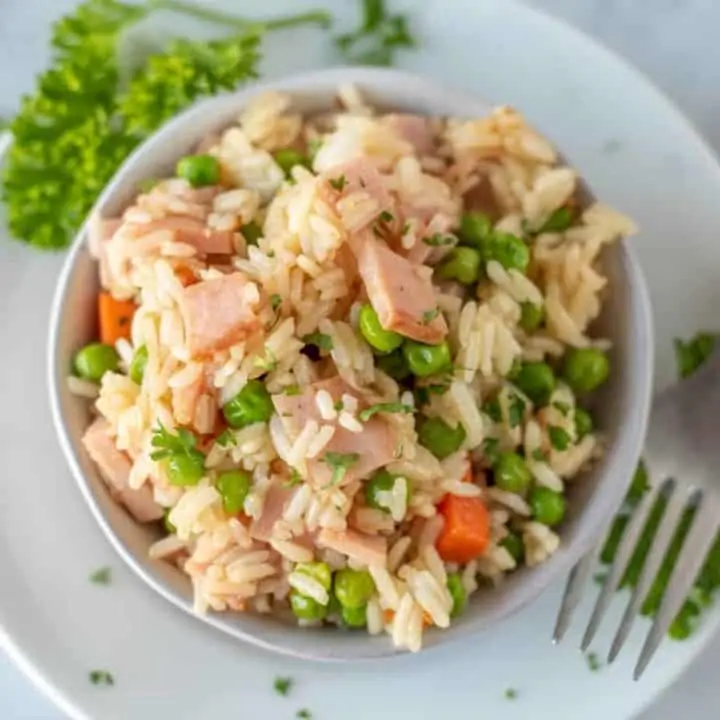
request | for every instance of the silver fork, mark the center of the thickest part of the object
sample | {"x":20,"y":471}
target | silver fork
{"x":682,"y":456}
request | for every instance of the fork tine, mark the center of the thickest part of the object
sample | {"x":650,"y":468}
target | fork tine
{"x":677,"y":501}
{"x":617,"y":569}
{"x":692,"y":556}
{"x":574,"y":590}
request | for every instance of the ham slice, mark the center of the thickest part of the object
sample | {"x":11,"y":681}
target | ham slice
{"x":376,"y":445}
{"x":415,"y":129}
{"x":115,"y":467}
{"x":370,"y":550}
{"x":404,"y":301}
{"x":276,"y":498}
{"x":190,"y":231}
{"x":218,"y":313}
{"x":360,"y":177}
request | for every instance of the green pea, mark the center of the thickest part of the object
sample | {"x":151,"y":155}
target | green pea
{"x":586,"y":369}
{"x":234,"y":487}
{"x":461,"y":264}
{"x":511,"y":473}
{"x":509,"y":250}
{"x":457,"y":593}
{"x":306,"y":608}
{"x":185,"y":469}
{"x":94,"y":360}
{"x":377,"y":336}
{"x":288,"y":158}
{"x":353,"y":588}
{"x":319,"y":571}
{"x":548,"y":507}
{"x":424,"y":360}
{"x":382,"y":481}
{"x":439,"y":438}
{"x":251,"y":405}
{"x":475,"y":228}
{"x":537,"y":381}
{"x":252,"y":232}
{"x":583,"y":423}
{"x":354,"y":617}
{"x":199,"y":170}
{"x":137,"y":366}
{"x":394,"y":365}
{"x":513,"y":543}
{"x":531,"y":316}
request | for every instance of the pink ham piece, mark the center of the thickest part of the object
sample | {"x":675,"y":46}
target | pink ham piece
{"x":190,"y":231}
{"x":276,"y":498}
{"x":376,"y":445}
{"x":115,"y":468}
{"x":370,"y":550}
{"x":415,"y":129}
{"x":217,"y":314}
{"x":404,"y":301}
{"x":356,"y":176}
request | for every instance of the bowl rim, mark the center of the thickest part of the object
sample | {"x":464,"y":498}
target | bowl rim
{"x":605,"y":501}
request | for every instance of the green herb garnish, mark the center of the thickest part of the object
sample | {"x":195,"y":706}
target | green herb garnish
{"x":295,"y":478}
{"x":490,"y":450}
{"x":386,"y":407}
{"x":429,"y":315}
{"x":83,"y":119}
{"x":378,"y":37}
{"x":275,"y":301}
{"x":101,"y":677}
{"x":304,"y":714}
{"x":693,"y":353}
{"x":511,"y":694}
{"x":538,"y":454}
{"x":283,"y":685}
{"x":438,"y":240}
{"x":386,"y":217}
{"x":291,"y":390}
{"x":340,"y":464}
{"x":338,"y":183}
{"x":320,"y":340}
{"x":226,"y":438}
{"x":593,"y":662}
{"x":562,"y":407}
{"x":516,"y":410}
{"x":267,"y":362}
{"x":101,"y":576}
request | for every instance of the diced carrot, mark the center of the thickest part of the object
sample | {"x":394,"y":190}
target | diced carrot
{"x":185,"y":275}
{"x":466,"y":531}
{"x":115,"y":318}
{"x":388,"y":616}
{"x":468,"y":476}
{"x":427,"y":620}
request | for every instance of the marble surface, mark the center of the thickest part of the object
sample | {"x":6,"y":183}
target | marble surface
{"x":673,"y":41}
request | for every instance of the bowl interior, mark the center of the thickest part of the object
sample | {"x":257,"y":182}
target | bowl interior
{"x":621,"y":407}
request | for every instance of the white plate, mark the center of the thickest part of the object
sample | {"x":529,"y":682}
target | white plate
{"x":638,"y":153}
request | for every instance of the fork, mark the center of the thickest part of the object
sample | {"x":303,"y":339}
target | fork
{"x":682,"y":456}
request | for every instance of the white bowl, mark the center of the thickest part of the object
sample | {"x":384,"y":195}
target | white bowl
{"x":622,"y":407}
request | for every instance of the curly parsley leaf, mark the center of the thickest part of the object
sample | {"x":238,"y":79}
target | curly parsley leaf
{"x":692,"y":354}
{"x":283,"y":685}
{"x":101,"y":677}
{"x":101,"y":576}
{"x":319,"y":340}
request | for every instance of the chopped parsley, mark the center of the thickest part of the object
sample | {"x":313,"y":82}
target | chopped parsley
{"x":692,"y":354}
{"x":439,"y":240}
{"x":386,"y":407}
{"x":593,"y":662}
{"x":492,"y":409}
{"x":539,"y":455}
{"x":511,"y":694}
{"x":101,"y":576}
{"x":226,"y":438}
{"x":516,"y":410}
{"x":340,"y":464}
{"x":338,"y":183}
{"x":171,"y":445}
{"x":338,"y":406}
{"x":283,"y":685}
{"x":386,"y":217}
{"x":319,"y":340}
{"x":305,"y":714}
{"x":271,"y":254}
{"x":275,"y":301}
{"x":101,"y":677}
{"x":291,"y":390}
{"x":562,"y":407}
{"x":429,"y":315}
{"x":490,"y":450}
{"x":559,"y":438}
{"x":268,"y":361}
{"x":406,"y":228}
{"x":295,"y":478}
